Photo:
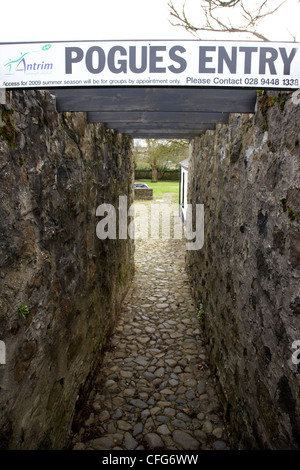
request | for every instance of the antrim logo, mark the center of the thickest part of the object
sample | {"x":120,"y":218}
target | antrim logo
{"x":25,"y":63}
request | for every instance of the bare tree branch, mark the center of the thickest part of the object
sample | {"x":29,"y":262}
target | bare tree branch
{"x":210,"y":19}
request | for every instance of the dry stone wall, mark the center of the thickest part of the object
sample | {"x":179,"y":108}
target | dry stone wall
{"x":143,"y":194}
{"x":246,"y":277}
{"x":60,"y":286}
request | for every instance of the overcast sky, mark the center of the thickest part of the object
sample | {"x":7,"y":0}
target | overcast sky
{"x":70,"y":20}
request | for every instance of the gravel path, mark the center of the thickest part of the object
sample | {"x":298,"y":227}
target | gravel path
{"x":155,"y":389}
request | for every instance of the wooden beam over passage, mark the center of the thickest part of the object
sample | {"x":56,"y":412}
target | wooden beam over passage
{"x":129,"y":128}
{"x":156,"y":112}
{"x":155,"y":99}
{"x":169,"y":134}
{"x":157,"y":117}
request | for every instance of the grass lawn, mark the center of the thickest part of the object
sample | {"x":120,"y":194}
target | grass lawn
{"x":162,"y":187}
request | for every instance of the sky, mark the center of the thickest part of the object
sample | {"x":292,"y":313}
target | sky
{"x":73,"y":20}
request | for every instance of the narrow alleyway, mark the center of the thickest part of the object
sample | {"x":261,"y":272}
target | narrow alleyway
{"x":155,"y":389}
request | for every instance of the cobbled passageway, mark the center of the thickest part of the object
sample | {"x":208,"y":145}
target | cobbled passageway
{"x":155,"y":389}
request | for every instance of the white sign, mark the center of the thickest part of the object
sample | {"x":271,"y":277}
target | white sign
{"x":150,"y":63}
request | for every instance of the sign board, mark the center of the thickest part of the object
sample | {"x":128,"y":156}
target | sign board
{"x":187,"y":63}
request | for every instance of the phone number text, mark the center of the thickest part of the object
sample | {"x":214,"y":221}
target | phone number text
{"x":286,"y":82}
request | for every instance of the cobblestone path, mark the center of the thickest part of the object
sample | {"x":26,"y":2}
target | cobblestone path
{"x":155,"y":389}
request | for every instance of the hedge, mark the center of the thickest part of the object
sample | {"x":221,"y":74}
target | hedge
{"x":166,"y":175}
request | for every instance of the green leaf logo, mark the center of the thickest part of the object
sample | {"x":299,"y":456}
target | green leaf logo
{"x":46,"y":47}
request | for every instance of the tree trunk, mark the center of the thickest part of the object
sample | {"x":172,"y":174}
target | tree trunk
{"x":154,"y":173}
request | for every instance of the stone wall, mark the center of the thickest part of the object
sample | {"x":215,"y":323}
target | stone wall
{"x":246,"y":277}
{"x":60,"y":286}
{"x":143,"y":194}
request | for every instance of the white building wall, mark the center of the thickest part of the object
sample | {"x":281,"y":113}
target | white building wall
{"x":183,"y":192}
